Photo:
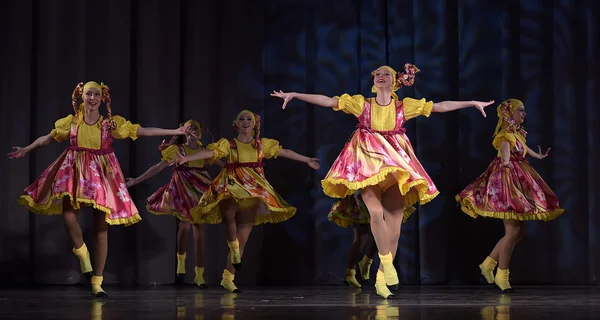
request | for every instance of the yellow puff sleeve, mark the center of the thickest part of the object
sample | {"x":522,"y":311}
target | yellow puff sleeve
{"x":414,"y":108}
{"x":270,"y":148}
{"x":62,"y":128}
{"x":125,"y":129}
{"x":170,"y":153}
{"x":221,"y":148}
{"x":504,"y":136}
{"x":350,"y":104}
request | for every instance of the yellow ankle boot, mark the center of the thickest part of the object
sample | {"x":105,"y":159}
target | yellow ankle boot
{"x":381,"y":287}
{"x":487,"y":269}
{"x":502,"y":281}
{"x":181,"y":263}
{"x":97,"y":290}
{"x":199,"y":278}
{"x":350,"y":278}
{"x":84,"y":259}
{"x":227,"y":282}
{"x":236,"y":256}
{"x":391,"y":276}
{"x":364,"y":266}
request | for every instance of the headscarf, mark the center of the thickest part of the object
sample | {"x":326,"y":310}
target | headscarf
{"x":406,"y":78}
{"x":505,"y":117}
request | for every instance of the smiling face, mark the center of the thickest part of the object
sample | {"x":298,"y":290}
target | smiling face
{"x":245,"y":123}
{"x":383,"y":78}
{"x":91,"y":99}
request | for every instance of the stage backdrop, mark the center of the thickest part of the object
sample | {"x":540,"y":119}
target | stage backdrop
{"x":168,"y":61}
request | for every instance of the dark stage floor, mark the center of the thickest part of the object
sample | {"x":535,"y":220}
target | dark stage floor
{"x":334,"y":302}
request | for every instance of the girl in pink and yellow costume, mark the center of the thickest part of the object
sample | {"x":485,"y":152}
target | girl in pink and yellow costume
{"x":241,"y":195}
{"x":379,"y":159}
{"x":351,"y":210}
{"x":87,"y":173}
{"x":183,"y":192}
{"x":511,"y":190}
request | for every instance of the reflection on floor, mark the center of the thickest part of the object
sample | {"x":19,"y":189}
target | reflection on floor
{"x":415,"y":302}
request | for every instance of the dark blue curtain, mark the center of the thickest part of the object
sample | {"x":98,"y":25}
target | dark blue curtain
{"x":167,"y":61}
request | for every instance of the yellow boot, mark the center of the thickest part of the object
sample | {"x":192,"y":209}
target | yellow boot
{"x":502,"y":281}
{"x":199,"y":278}
{"x":181,"y":263}
{"x":487,"y":269}
{"x":97,"y":290}
{"x":364,"y":266}
{"x":227,"y":282}
{"x":350,"y":278}
{"x":84,"y":259}
{"x":236,"y":256}
{"x":391,"y":276}
{"x":381,"y":287}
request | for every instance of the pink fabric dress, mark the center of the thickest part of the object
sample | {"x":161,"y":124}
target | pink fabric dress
{"x":184,"y":191}
{"x":84,"y":174}
{"x":515,"y":192}
{"x":380,"y":158}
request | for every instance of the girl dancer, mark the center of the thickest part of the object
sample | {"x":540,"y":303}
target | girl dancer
{"x":379,"y":159}
{"x":352,"y":211}
{"x":511,"y":190}
{"x":87,"y":173}
{"x":182,"y":193}
{"x":240,"y":194}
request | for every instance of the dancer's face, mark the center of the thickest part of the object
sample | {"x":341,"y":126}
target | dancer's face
{"x":245,"y":123}
{"x":519,"y":115}
{"x":192,"y":138}
{"x":91,"y":99}
{"x":383,"y":78}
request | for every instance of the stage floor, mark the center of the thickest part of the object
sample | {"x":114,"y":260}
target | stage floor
{"x":333,"y":302}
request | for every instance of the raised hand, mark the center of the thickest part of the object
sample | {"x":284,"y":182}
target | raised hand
{"x":18,"y":153}
{"x":179,"y":160}
{"x":187,"y":131}
{"x":543,"y":155}
{"x":480,"y":105}
{"x":286,"y":96}
{"x":314,"y":163}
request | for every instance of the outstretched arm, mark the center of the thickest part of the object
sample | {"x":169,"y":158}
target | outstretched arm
{"x":152,"y":132}
{"x":312,"y":162}
{"x":539,"y":154}
{"x":202,"y":155}
{"x":447,"y":106}
{"x":39,"y":142}
{"x":316,"y":99}
{"x":151,"y":172}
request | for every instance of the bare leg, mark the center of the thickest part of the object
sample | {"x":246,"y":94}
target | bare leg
{"x":198,"y":230}
{"x":228,"y":208}
{"x":361,"y":234}
{"x":245,"y":223}
{"x":199,"y":238}
{"x":515,"y":231}
{"x":100,"y":252}
{"x":74,"y":230}
{"x":372,"y":199}
{"x":393,"y":208}
{"x":184,"y":228}
{"x":71,"y":224}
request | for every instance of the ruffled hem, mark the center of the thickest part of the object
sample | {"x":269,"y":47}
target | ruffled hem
{"x":468,"y":207}
{"x":345,"y":222}
{"x":211,"y":214}
{"x":175,"y":214}
{"x":28,"y":202}
{"x":410,"y":199}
